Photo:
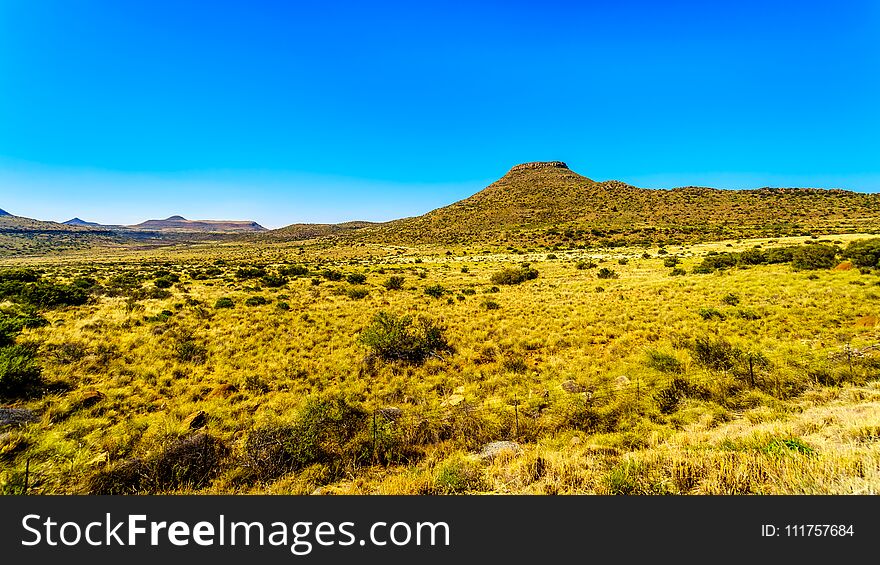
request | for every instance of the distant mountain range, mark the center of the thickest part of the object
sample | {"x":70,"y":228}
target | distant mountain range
{"x":179,"y":223}
{"x":173,"y":223}
{"x":539,"y":203}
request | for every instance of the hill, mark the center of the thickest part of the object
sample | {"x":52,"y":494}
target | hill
{"x":547,"y":203}
{"x":179,"y":223}
{"x":79,"y":222}
{"x":312,"y":231}
{"x":20,"y":235}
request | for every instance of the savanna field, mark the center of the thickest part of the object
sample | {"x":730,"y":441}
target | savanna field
{"x":745,"y":366}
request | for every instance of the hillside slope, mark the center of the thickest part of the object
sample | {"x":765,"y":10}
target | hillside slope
{"x":546,"y":202}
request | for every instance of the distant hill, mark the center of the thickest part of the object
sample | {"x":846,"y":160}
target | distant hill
{"x":547,"y":203}
{"x":4,"y":213}
{"x":312,"y":231}
{"x":78,"y":222}
{"x":179,"y":223}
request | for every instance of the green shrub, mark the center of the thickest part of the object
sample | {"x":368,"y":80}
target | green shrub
{"x":710,"y":313}
{"x":864,"y":253}
{"x":677,"y":272}
{"x":357,"y":292}
{"x":491,"y":305}
{"x":606,"y":273}
{"x":435,"y":291}
{"x":163,"y":282}
{"x":730,"y":299}
{"x":20,"y":375}
{"x":356,"y":278}
{"x":394,"y":282}
{"x":458,"y":475}
{"x":293,"y":271}
{"x":329,"y":431}
{"x":809,"y":257}
{"x":19,"y":275}
{"x":670,"y":261}
{"x":224,"y":302}
{"x":284,"y":306}
{"x":256,"y":301}
{"x":273,"y":281}
{"x":664,"y":362}
{"x":331,"y":275}
{"x":399,"y":338}
{"x":715,"y":353}
{"x":187,"y":350}
{"x":515,"y":275}
{"x":250,"y":272}
{"x":581,"y":265}
{"x":669,"y":397}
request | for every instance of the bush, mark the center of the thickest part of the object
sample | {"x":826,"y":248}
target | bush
{"x":43,"y":294}
{"x":581,"y":265}
{"x":710,"y":313}
{"x":677,"y":272}
{"x":515,"y":275}
{"x":328,"y":431}
{"x":393,"y":282}
{"x":864,"y":253}
{"x":293,"y":271}
{"x":679,"y":389}
{"x":187,"y":350}
{"x":458,"y":475}
{"x":20,"y":375}
{"x":809,"y":257}
{"x":435,"y":291}
{"x":357,"y":292}
{"x":189,"y":462}
{"x":491,"y":305}
{"x":331,"y":275}
{"x":398,"y":338}
{"x":716,"y":354}
{"x":664,"y":362}
{"x":606,"y":273}
{"x":256,"y":301}
{"x":716,"y":262}
{"x":730,"y":299}
{"x":356,"y":278}
{"x":163,"y":282}
{"x":19,"y":275}
{"x":224,"y":302}
{"x":250,"y":272}
{"x":273,"y":281}
{"x":670,"y":261}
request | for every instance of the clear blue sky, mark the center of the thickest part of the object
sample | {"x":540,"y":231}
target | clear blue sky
{"x":287,"y":112}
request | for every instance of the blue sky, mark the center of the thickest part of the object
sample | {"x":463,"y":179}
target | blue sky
{"x":287,"y":112}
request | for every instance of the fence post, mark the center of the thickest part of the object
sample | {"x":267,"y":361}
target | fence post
{"x":751,"y":372}
{"x":374,"y":436}
{"x":515,"y":416}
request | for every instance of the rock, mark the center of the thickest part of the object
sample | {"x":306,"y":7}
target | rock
{"x":89,"y":398}
{"x":491,"y":450}
{"x":572,"y":387}
{"x":459,"y":389}
{"x":390,"y":413}
{"x":222,"y":391}
{"x":621,"y":381}
{"x":16,"y":416}
{"x":540,"y":165}
{"x":196,"y":420}
{"x":455,"y":400}
{"x":845,"y":266}
{"x":575,"y":441}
